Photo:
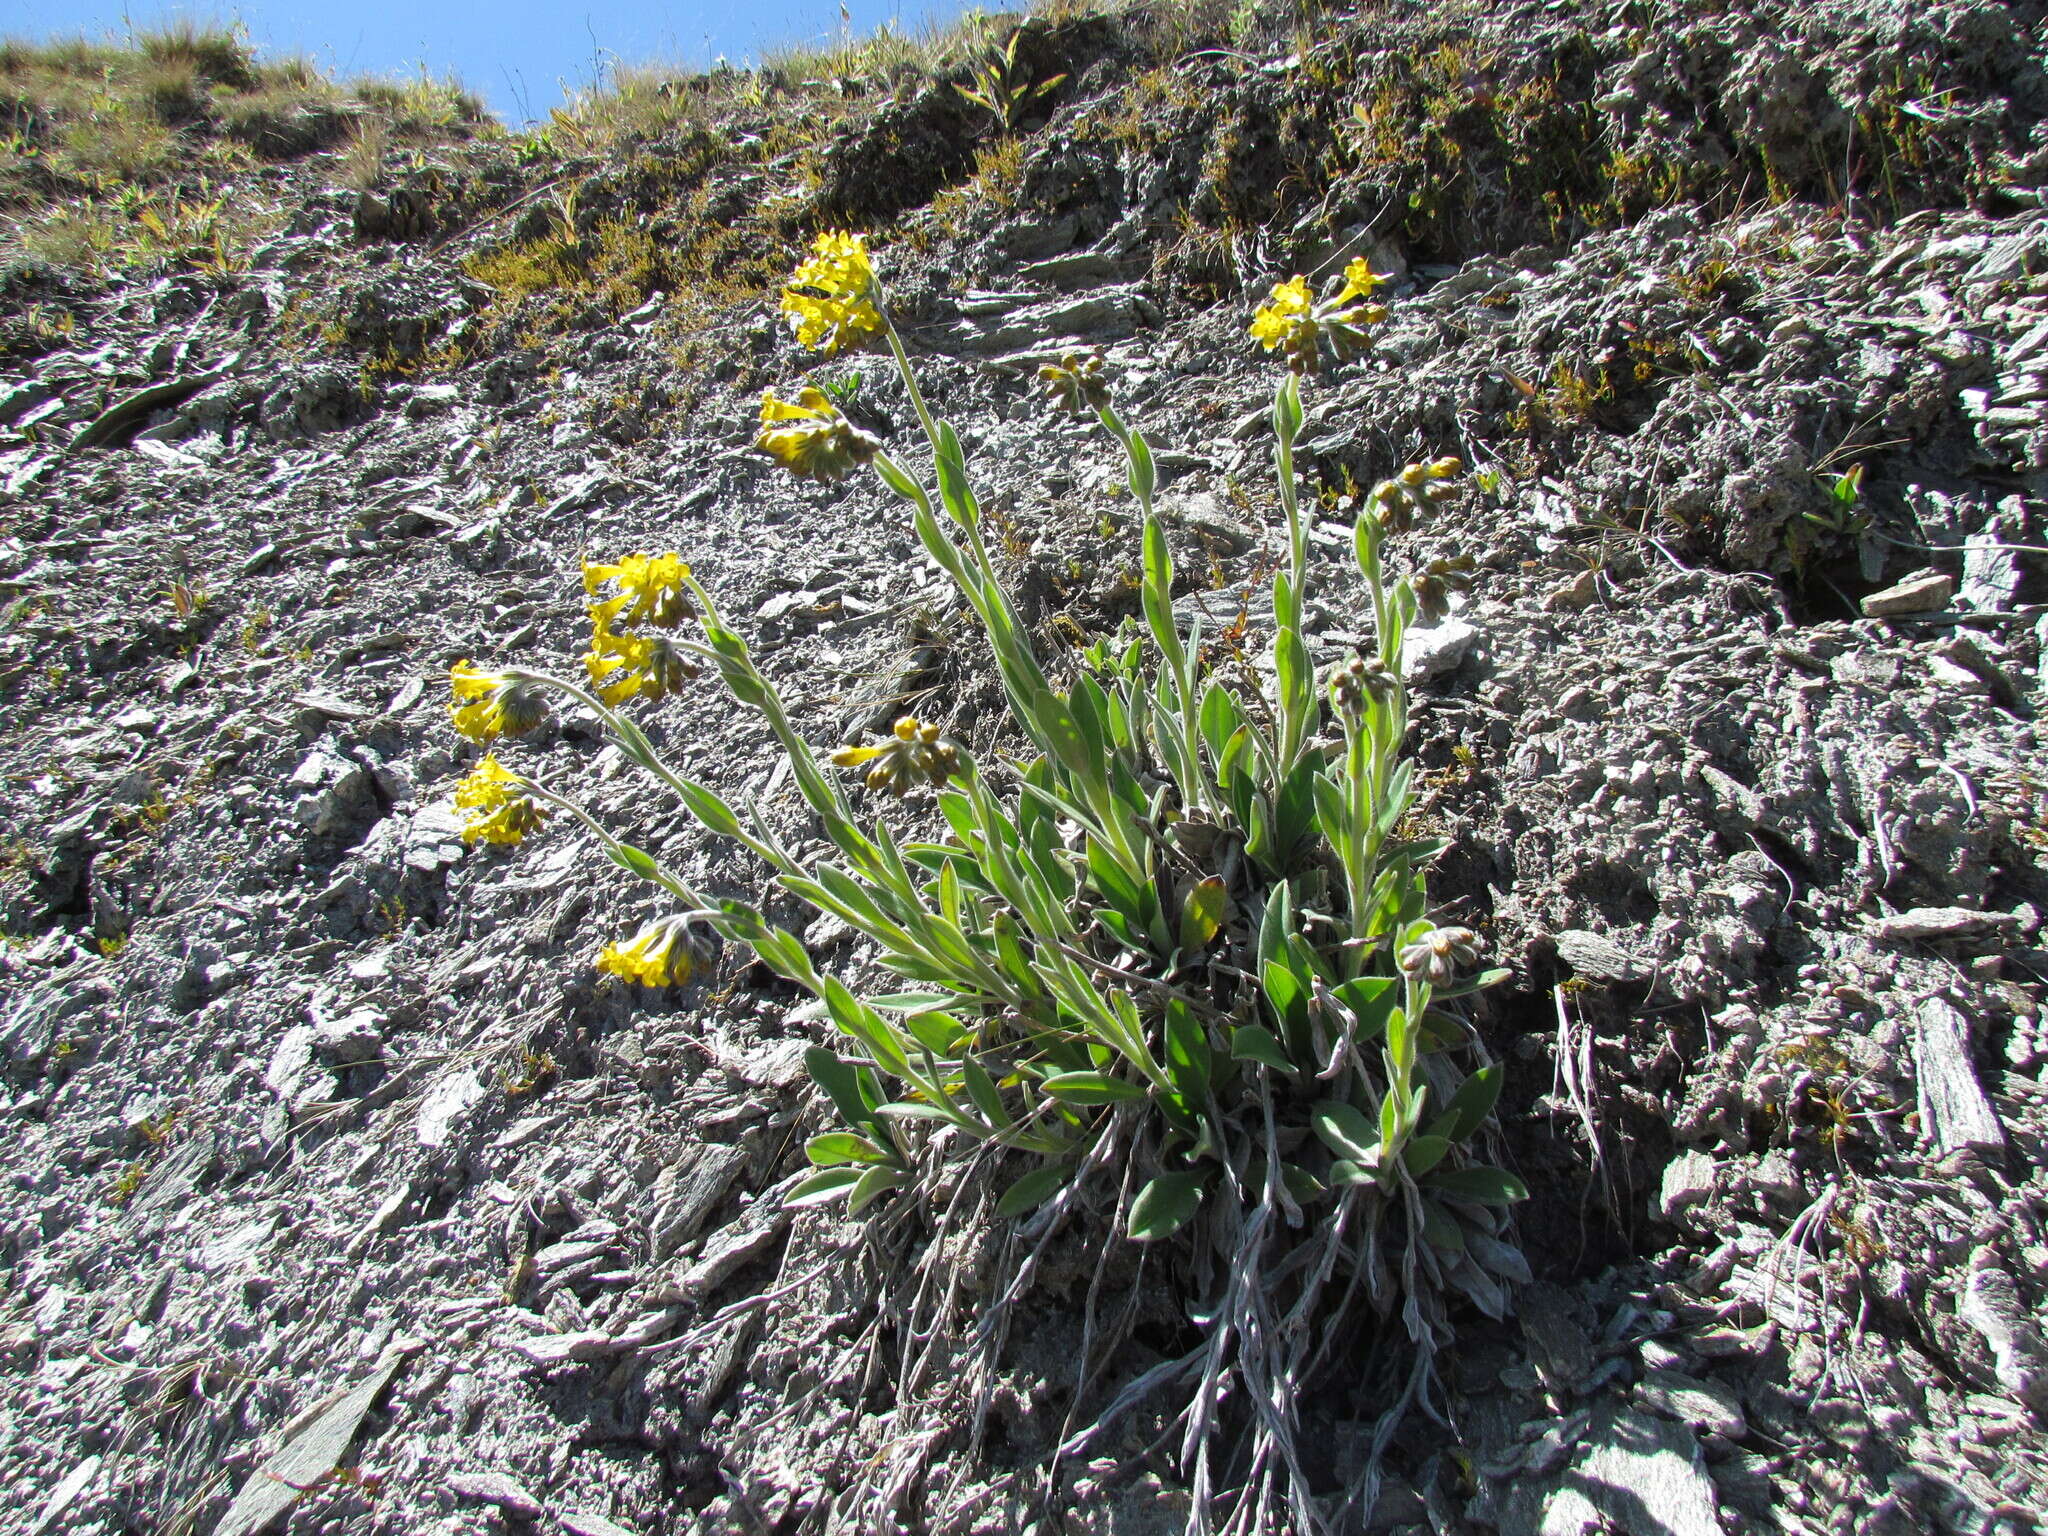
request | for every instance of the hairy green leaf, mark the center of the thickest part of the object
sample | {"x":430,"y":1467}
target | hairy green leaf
{"x":836,"y":1147}
{"x":1481,"y":1184}
{"x":1251,"y":1042}
{"x":1165,"y":1205}
{"x":824,"y":1185}
{"x":1091,"y":1088}
{"x":1033,"y":1190}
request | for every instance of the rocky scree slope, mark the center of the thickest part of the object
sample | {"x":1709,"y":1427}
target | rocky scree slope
{"x":339,"y":1190}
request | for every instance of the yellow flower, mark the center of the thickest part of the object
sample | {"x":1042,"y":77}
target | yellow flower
{"x":830,"y":300}
{"x":1360,"y":281}
{"x":811,"y":438}
{"x":621,"y":666}
{"x":1285,"y":316}
{"x":499,"y":813}
{"x":1293,"y":319}
{"x":488,"y":705}
{"x":653,"y":957}
{"x":913,"y":754}
{"x":648,"y":589}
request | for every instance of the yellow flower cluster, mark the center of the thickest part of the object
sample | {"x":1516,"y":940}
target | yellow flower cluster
{"x":1291,"y":318}
{"x":647,"y":590}
{"x":913,"y":754}
{"x":811,"y":438}
{"x":624,"y":666}
{"x":830,"y":300}
{"x":499,"y":810}
{"x":487,"y":705}
{"x":657,"y":956}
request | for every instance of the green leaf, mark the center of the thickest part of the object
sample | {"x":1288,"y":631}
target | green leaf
{"x":1203,"y":910}
{"x":1296,"y":673}
{"x":1477,"y":982}
{"x":842,"y":1083}
{"x":915,"y":1002}
{"x":1287,"y":994}
{"x":1371,"y":1000}
{"x":1423,"y":1153}
{"x":1164,"y":1206}
{"x":1220,"y":719}
{"x":1333,"y":808}
{"x":954,"y":491}
{"x":1033,"y":1190}
{"x":1287,"y":409}
{"x":895,"y":479}
{"x":981,"y":1088}
{"x":1115,"y":883}
{"x":1187,"y":1053}
{"x":1143,"y":477}
{"x":708,"y":808}
{"x":1441,"y":1228}
{"x":626,"y":856}
{"x":1251,"y":1042}
{"x":1091,"y":1088}
{"x":870,"y":1187}
{"x":1346,"y":1131}
{"x":835,"y":1147}
{"x":1481,"y":1184}
{"x":825,"y":1185}
{"x":1470,"y":1105}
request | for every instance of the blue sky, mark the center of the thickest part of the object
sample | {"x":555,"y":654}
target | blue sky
{"x":519,"y":55}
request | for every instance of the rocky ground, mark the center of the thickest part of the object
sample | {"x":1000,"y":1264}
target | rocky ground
{"x":340,"y":1191}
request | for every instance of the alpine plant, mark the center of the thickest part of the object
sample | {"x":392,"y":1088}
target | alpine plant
{"x":1169,"y":973}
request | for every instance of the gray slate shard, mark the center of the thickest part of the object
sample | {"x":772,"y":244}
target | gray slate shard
{"x":313,"y":1446}
{"x":1953,"y":1109}
{"x":1599,"y":957}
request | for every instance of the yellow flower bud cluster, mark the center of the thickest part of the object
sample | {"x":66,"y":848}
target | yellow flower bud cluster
{"x":811,"y":438}
{"x":1292,"y":319}
{"x":648,"y":592}
{"x":1075,"y":383}
{"x":1366,"y":678}
{"x":913,"y":754}
{"x":657,"y":956}
{"x":487,"y":705}
{"x":1397,"y":502}
{"x":499,"y":810}
{"x":830,"y":301}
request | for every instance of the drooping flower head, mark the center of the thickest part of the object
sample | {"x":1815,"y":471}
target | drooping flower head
{"x":912,"y":754}
{"x":811,"y":438}
{"x":1075,"y":383}
{"x":1439,"y":954}
{"x":657,"y":956}
{"x":624,"y":666}
{"x":1293,"y":319}
{"x":487,"y":705}
{"x":646,"y":589}
{"x":831,"y":299}
{"x":499,"y":809}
